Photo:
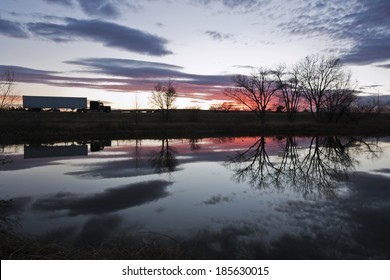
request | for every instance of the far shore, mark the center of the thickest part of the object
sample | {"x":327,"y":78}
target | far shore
{"x":24,"y":127}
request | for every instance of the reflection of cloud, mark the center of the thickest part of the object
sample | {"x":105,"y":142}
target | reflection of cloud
{"x":98,"y":229}
{"x":114,"y":169}
{"x":226,"y":243}
{"x":367,"y":187}
{"x":369,"y":206}
{"x":110,"y":200}
{"x":383,"y":170}
{"x":92,"y":233}
{"x":217,"y":199}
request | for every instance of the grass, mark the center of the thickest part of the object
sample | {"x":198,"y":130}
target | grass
{"x":18,"y":247}
{"x":27,"y":126}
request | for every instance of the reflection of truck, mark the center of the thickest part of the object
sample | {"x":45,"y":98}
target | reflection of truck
{"x":38,"y":103}
{"x":43,"y":151}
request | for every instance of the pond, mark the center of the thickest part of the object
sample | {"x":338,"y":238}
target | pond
{"x":220,"y":198}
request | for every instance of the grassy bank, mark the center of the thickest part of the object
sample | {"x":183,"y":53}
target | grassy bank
{"x":26,"y":126}
{"x":18,"y":247}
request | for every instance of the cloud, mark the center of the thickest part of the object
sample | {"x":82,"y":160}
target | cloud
{"x":109,"y":34}
{"x":127,"y":67}
{"x":99,"y":8}
{"x":66,"y":3}
{"x":359,"y":28}
{"x":12,"y":29}
{"x":144,"y":75}
{"x":110,"y":200}
{"x":127,"y":75}
{"x":104,"y":8}
{"x":218,"y":36}
{"x":144,"y":69}
{"x":244,"y":6}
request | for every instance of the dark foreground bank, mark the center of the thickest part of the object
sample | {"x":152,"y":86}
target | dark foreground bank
{"x":22,"y":126}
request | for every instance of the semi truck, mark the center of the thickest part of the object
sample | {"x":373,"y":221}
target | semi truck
{"x":38,"y":103}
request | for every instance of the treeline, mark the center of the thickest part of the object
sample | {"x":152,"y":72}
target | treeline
{"x":317,"y":83}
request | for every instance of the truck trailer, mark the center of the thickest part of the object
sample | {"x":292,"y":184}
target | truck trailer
{"x":38,"y":103}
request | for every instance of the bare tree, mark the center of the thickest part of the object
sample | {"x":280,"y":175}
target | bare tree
{"x":7,"y":85}
{"x":289,"y":86}
{"x":320,"y":77}
{"x":339,"y":100}
{"x":164,"y":97}
{"x":254,"y":91}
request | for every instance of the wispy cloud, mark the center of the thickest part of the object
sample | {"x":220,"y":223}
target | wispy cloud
{"x":65,"y":3}
{"x":359,"y":27}
{"x":104,"y":8}
{"x":219,"y":36}
{"x":143,"y":75}
{"x":127,"y":67}
{"x":99,"y":8}
{"x":107,"y":33}
{"x":12,"y":29}
{"x":125,"y":75}
{"x":244,"y":6}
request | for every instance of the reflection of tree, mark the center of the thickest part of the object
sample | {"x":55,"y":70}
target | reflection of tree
{"x":164,"y":160}
{"x":137,"y":152}
{"x":253,"y":165}
{"x":313,"y":171}
{"x":4,"y":158}
{"x":194,"y":146}
{"x":325,"y":164}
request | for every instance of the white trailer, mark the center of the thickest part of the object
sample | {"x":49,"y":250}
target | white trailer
{"x":37,"y":103}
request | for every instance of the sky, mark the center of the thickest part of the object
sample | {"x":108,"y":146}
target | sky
{"x":117,"y":50}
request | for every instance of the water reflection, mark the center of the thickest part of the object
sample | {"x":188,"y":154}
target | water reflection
{"x":315,"y":170}
{"x":164,"y":160}
{"x":4,"y":158}
{"x":110,"y":200}
{"x":44,"y":151}
{"x":276,"y":206}
{"x":99,"y":145}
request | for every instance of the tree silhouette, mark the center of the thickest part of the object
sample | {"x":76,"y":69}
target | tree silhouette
{"x":289,"y":86}
{"x":254,"y":92}
{"x":326,"y":86}
{"x":164,"y":97}
{"x":7,"y":85}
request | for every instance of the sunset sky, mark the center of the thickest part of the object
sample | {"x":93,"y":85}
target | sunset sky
{"x":117,"y":50}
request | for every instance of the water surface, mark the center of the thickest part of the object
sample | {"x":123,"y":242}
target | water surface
{"x":249,"y":197}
